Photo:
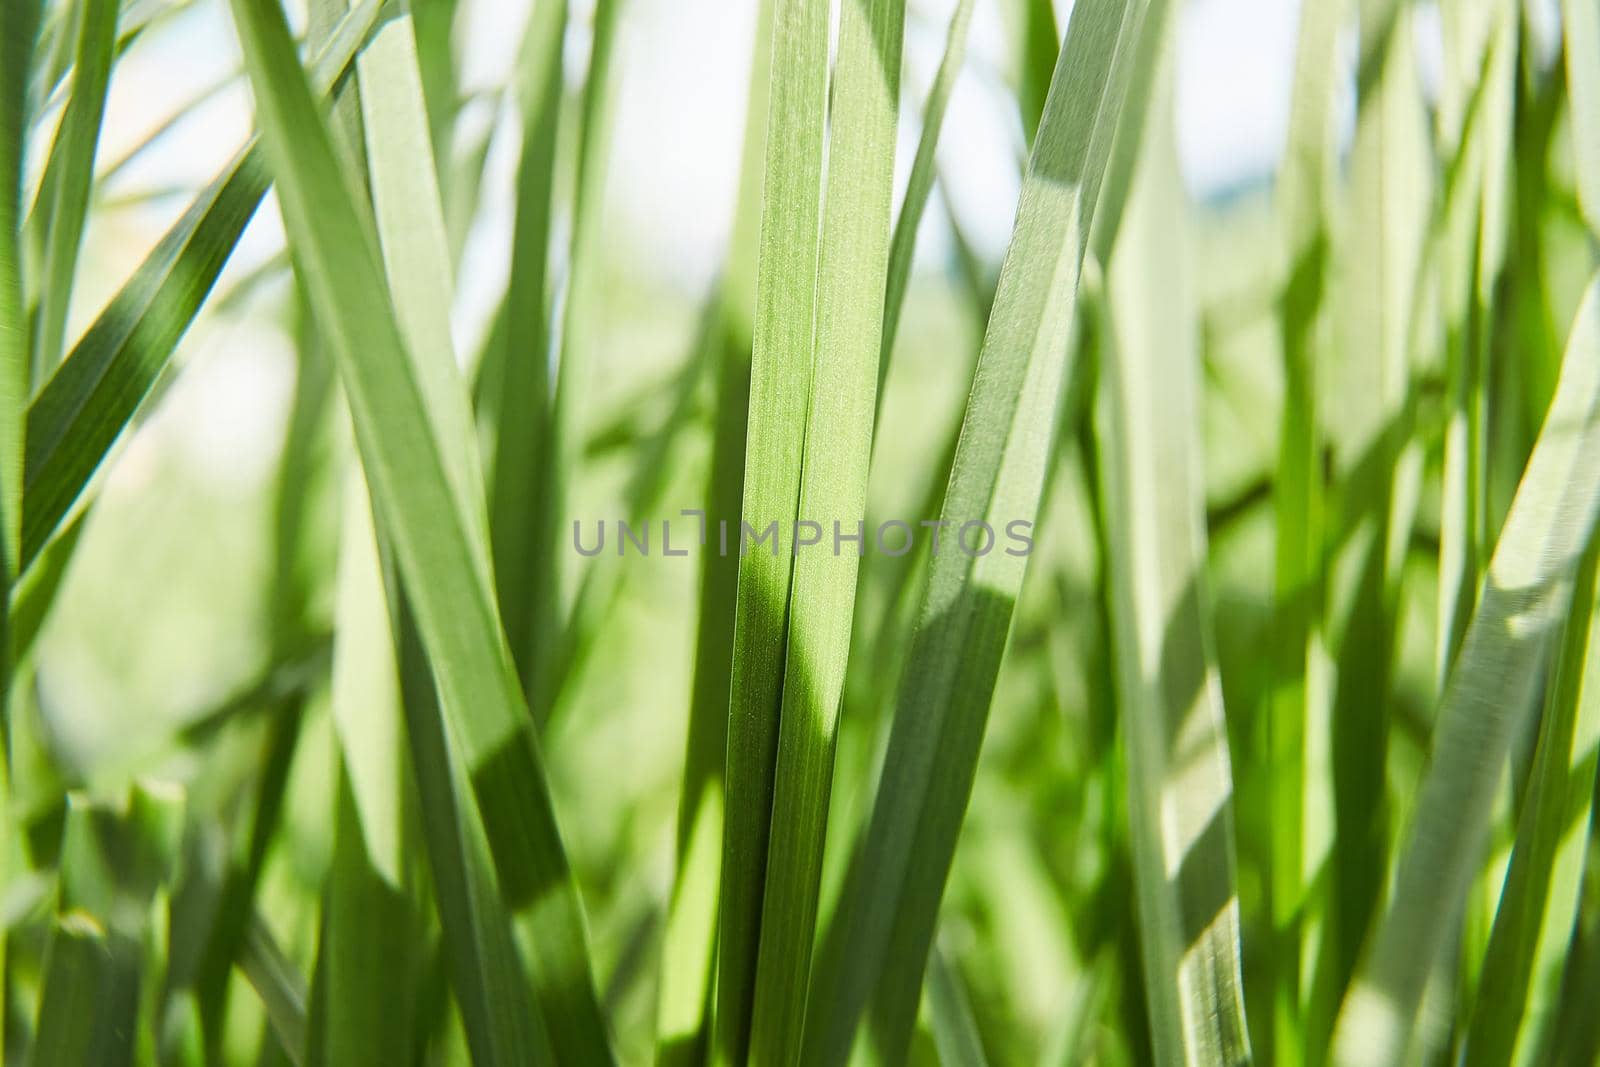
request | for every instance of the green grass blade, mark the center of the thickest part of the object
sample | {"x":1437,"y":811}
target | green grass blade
{"x":1533,"y":924}
{"x":69,"y":174}
{"x":369,"y":958}
{"x":924,"y":169}
{"x":19,"y":24}
{"x":955,"y":1032}
{"x":518,"y":408}
{"x":1580,"y":25}
{"x":689,"y":950}
{"x":81,"y":411}
{"x":76,"y":979}
{"x":281,"y":988}
{"x":780,"y":377}
{"x":1168,"y":686}
{"x":997,"y":476}
{"x":838,"y":442}
{"x":1523,"y":599}
{"x":430,"y":506}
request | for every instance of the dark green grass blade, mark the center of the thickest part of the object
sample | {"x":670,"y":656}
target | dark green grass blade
{"x":69,"y":173}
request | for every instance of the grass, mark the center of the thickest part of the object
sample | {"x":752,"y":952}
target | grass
{"x":1264,"y":730}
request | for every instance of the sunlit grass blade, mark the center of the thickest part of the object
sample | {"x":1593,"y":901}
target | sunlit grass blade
{"x":1523,"y":599}
{"x":997,"y":476}
{"x":924,"y":170}
{"x":1168,"y":688}
{"x":63,"y":205}
{"x":81,"y":411}
{"x":1533,"y":923}
{"x":854,"y":262}
{"x":780,"y":377}
{"x":405,"y":403}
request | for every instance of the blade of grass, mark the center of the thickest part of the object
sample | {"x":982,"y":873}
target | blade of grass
{"x":281,"y":988}
{"x":854,"y":263}
{"x":1534,"y":922}
{"x":780,"y":375}
{"x":19,"y":25}
{"x":1167,"y":681}
{"x":948,"y":680}
{"x":369,"y":958}
{"x":924,"y":169}
{"x":430,"y":506}
{"x":955,"y":1032}
{"x":1495,"y":677}
{"x":689,"y":951}
{"x":81,"y":411}
{"x":63,"y":205}
{"x":519,"y":408}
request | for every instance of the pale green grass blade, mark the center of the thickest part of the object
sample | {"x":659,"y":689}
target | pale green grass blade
{"x":81,"y":411}
{"x":689,"y":949}
{"x":955,"y":1032}
{"x":780,"y":377}
{"x":1524,"y":598}
{"x":1533,"y":924}
{"x":518,"y":408}
{"x":924,"y":170}
{"x":997,"y":476}
{"x":854,"y":264}
{"x":68,"y":176}
{"x":1168,"y":685}
{"x":430,"y":506}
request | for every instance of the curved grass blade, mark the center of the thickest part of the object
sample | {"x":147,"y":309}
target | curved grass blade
{"x":955,"y":1032}
{"x":997,"y":476}
{"x":864,"y":96}
{"x":81,"y":411}
{"x":1524,"y":597}
{"x":780,"y":376}
{"x":405,"y":402}
{"x":1179,"y":777}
